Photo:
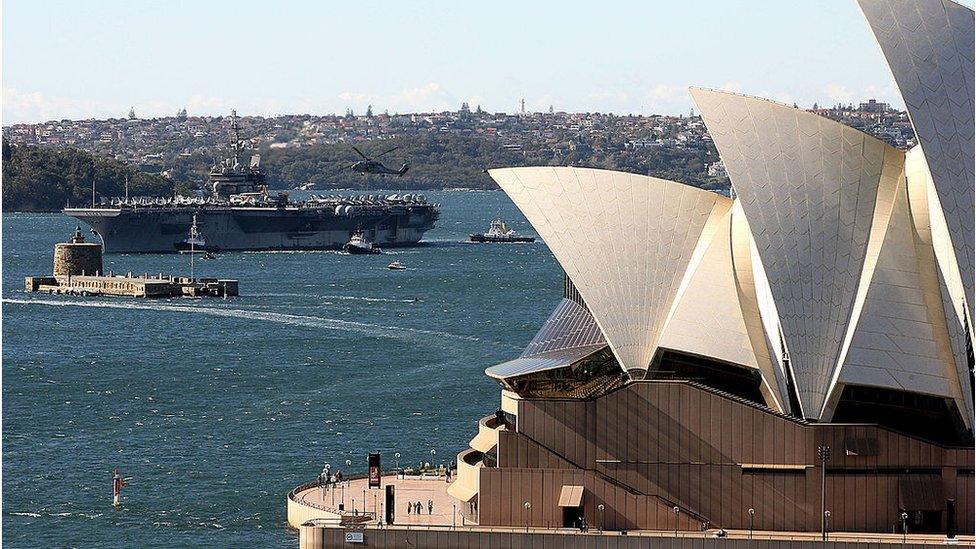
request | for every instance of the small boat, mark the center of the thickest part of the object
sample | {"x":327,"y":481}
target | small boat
{"x":396,"y":266}
{"x":499,"y":232}
{"x":194,"y":243}
{"x":360,"y":245}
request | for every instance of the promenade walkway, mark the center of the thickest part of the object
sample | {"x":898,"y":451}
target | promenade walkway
{"x":409,"y":489}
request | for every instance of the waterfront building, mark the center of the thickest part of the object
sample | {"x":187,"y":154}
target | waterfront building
{"x":725,"y":363}
{"x":796,"y":359}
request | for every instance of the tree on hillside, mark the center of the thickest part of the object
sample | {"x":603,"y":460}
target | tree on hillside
{"x":44,"y":179}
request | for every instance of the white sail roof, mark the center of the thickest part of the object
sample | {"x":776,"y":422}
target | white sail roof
{"x":932,"y":234}
{"x":624,"y":240}
{"x":899,"y":338}
{"x":808,"y":186}
{"x":710,"y":315}
{"x":929,"y":47}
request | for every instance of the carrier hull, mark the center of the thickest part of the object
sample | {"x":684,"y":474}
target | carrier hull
{"x":228,"y":228}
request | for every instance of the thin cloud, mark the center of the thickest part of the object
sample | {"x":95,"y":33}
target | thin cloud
{"x":430,"y":97}
{"x":33,"y":106}
{"x":837,"y":93}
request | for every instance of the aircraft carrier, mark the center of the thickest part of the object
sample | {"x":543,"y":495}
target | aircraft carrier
{"x":240,"y":214}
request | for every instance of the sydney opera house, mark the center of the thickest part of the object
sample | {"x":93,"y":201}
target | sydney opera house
{"x":728,"y":362}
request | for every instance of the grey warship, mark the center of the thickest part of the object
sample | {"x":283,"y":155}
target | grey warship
{"x":240,"y":215}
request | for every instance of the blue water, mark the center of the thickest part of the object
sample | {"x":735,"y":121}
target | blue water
{"x":216,"y":408}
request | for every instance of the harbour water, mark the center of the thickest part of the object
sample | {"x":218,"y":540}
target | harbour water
{"x":214,"y":409}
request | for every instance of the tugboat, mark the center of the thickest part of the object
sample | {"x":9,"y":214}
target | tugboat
{"x":396,"y":266}
{"x":499,"y":232}
{"x":194,"y":243}
{"x":360,"y":245}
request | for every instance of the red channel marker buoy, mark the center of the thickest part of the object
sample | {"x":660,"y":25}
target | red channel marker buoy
{"x":118,"y":483}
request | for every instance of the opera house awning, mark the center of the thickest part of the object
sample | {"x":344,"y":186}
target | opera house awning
{"x":540,"y":363}
{"x":571,"y":496}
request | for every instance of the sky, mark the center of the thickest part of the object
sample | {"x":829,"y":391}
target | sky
{"x":96,"y":59}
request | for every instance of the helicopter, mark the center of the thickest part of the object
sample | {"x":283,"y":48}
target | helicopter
{"x":369,"y":165}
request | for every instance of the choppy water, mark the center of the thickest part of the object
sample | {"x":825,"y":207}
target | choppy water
{"x":216,"y":408}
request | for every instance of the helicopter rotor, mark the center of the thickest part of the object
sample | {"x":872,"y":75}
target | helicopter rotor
{"x":359,"y":152}
{"x":386,"y":152}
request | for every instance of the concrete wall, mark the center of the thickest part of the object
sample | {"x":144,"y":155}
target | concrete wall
{"x":320,"y":538}
{"x":299,"y":513}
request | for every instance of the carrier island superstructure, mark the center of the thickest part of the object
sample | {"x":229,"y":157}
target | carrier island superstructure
{"x":240,"y":214}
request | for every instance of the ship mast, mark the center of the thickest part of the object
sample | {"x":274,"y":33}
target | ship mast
{"x":237,"y":137}
{"x":194,"y":233}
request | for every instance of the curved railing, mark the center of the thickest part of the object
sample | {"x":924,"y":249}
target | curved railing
{"x":469,"y":464}
{"x":301,"y":510}
{"x":491,"y":421}
{"x":293,"y":494}
{"x":471,"y":457}
{"x":487,"y":437}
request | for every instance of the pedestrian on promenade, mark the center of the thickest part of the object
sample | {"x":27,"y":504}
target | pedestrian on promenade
{"x":409,"y":507}
{"x":430,"y":507}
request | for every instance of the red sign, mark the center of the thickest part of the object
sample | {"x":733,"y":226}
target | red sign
{"x":374,"y":470}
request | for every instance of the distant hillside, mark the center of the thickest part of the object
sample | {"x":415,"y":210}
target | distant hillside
{"x":444,"y":161}
{"x":41,"y":179}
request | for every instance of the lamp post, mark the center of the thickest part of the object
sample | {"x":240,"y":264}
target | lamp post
{"x":324,"y":480}
{"x":827,"y":525}
{"x":354,"y":507}
{"x":454,"y":516}
{"x":676,"y":510}
{"x":349,"y":464}
{"x":376,"y":511}
{"x":433,"y":453}
{"x":904,"y":528}
{"x":396,"y":457}
{"x":823,"y":453}
{"x":752,"y":514}
{"x":601,"y":508}
{"x":527,"y":506}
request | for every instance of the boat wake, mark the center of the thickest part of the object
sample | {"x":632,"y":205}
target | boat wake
{"x":367,"y":299}
{"x":398,"y":332}
{"x":339,"y":297}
